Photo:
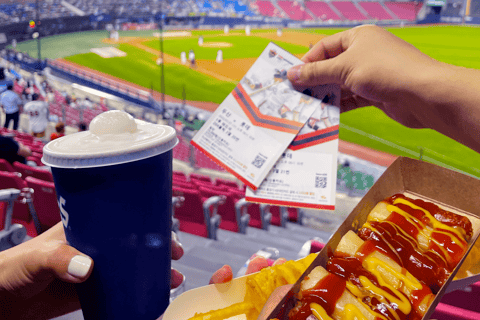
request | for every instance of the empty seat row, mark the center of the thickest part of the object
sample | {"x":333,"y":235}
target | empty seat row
{"x":26,"y":170}
{"x":39,"y":202}
{"x":207,"y":206}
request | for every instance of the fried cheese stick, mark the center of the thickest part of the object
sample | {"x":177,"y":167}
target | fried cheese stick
{"x":388,"y":274}
{"x":338,"y":305}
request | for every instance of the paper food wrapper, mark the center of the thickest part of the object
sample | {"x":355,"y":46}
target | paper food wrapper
{"x":448,"y":189}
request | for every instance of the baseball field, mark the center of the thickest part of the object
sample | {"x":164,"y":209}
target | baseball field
{"x":211,"y":81}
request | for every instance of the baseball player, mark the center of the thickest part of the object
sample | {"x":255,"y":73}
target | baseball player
{"x":191,"y":57}
{"x":37,"y":112}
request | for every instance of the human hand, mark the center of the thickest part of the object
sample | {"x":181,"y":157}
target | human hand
{"x":373,"y":67}
{"x":37,"y":277}
{"x":224,"y":274}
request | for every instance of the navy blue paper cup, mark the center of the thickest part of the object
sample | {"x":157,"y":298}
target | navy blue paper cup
{"x":116,"y":208}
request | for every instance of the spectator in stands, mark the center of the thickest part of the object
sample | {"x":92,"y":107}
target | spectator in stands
{"x":12,"y":150}
{"x":37,"y":112}
{"x":11,"y":105}
{"x":60,"y":131}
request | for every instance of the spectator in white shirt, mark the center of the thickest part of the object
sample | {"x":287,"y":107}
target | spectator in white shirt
{"x":37,"y":112}
{"x":11,"y":104}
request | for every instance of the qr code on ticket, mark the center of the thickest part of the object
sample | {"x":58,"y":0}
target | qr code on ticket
{"x":259,"y":160}
{"x":320,"y":182}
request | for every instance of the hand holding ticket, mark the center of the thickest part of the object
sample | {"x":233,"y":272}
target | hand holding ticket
{"x":254,"y":125}
{"x":263,"y":116}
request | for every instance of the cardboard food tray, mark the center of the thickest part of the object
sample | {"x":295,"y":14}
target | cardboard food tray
{"x":450,"y":190}
{"x":208,"y":298}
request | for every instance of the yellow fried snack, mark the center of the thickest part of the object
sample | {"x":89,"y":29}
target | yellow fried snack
{"x":260,"y":286}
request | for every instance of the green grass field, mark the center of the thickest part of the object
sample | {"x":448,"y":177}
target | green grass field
{"x":458,"y":45}
{"x":139,"y":67}
{"x":242,"y":47}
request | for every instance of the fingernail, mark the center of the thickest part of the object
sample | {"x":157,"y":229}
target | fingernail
{"x":79,"y":266}
{"x":294,"y":73}
{"x":175,"y":240}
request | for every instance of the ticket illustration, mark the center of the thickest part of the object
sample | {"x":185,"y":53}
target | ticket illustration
{"x":305,"y":175}
{"x":258,"y":120}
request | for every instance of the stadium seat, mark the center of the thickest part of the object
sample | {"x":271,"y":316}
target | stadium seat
{"x":21,"y":211}
{"x":232,"y":220}
{"x":6,"y":166}
{"x":179,"y":175}
{"x":228,"y":183}
{"x":448,"y":312}
{"x":295,"y":215}
{"x":45,"y":202}
{"x":259,"y":215}
{"x":12,"y":233}
{"x":196,"y":216}
{"x":209,"y":185}
{"x":466,"y":299}
{"x":28,"y":171}
{"x":184,"y":184}
{"x":200,"y":177}
{"x":279,"y":216}
{"x":23,"y":136}
{"x":37,"y":160}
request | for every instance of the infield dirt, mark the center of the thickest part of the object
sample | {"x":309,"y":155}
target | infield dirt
{"x":231,"y":70}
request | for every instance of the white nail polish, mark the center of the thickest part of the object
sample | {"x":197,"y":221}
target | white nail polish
{"x":79,"y":266}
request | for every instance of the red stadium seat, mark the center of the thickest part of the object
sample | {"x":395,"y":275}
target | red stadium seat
{"x":195,"y":215}
{"x":232,"y":219}
{"x":21,"y":212}
{"x":6,"y":166}
{"x":28,"y":171}
{"x":228,"y":183}
{"x":448,"y":312}
{"x":23,"y":136}
{"x":200,"y":177}
{"x":209,"y":185}
{"x":184,"y":184}
{"x":36,"y":159}
{"x":279,"y":216}
{"x":465,"y":299}
{"x":295,"y":215}
{"x":45,"y":202}
{"x":179,"y":175}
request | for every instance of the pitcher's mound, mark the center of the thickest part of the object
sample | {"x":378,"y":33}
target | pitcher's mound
{"x":216,"y":44}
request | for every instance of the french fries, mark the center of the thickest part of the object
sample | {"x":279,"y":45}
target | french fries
{"x":260,"y":286}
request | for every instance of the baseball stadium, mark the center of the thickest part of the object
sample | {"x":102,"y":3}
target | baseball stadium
{"x":172,"y":63}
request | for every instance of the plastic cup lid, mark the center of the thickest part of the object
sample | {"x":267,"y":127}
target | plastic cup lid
{"x":115,"y":137}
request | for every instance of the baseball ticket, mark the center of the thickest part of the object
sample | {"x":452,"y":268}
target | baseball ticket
{"x":254,"y":125}
{"x":305,"y":175}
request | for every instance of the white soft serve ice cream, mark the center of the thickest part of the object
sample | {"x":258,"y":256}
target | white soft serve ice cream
{"x":114,"y":137}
